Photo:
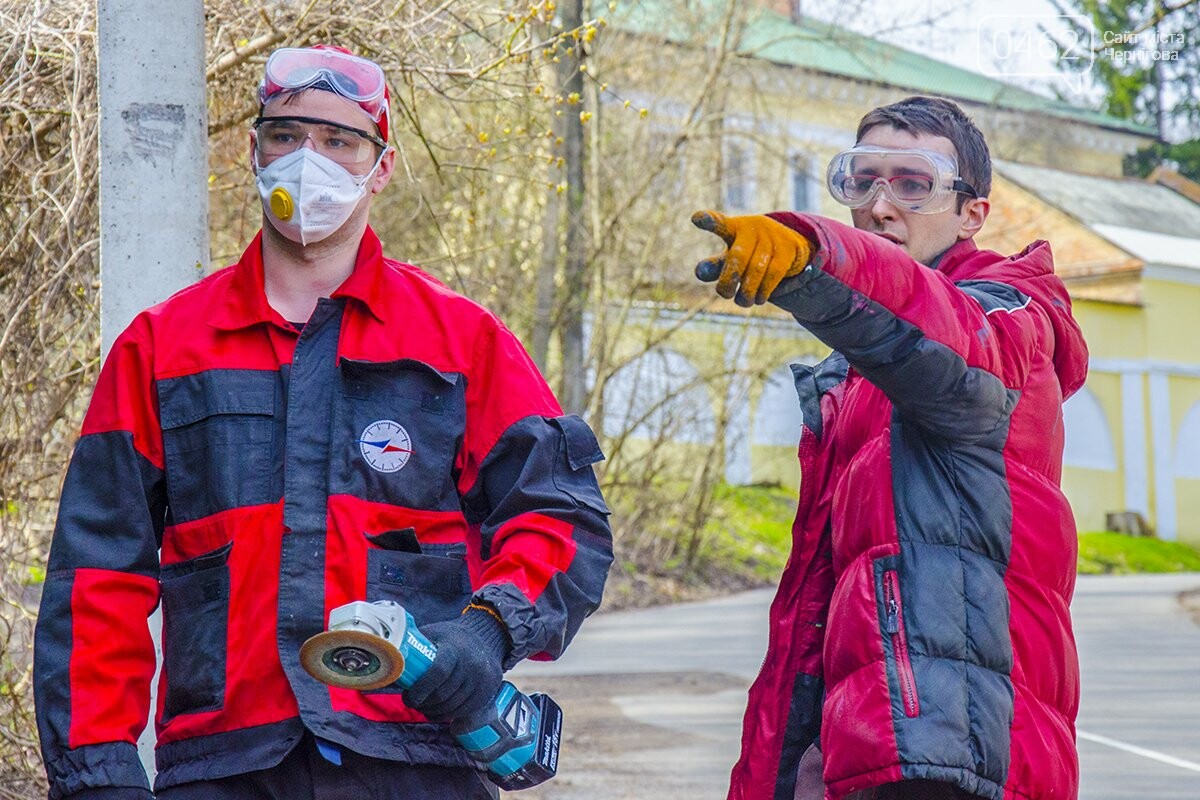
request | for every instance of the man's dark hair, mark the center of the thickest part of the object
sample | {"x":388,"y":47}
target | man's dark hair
{"x":939,"y":117}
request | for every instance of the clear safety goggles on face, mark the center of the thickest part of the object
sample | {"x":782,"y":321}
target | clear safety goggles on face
{"x":348,"y":147}
{"x":921,"y":181}
{"x":290,"y":69}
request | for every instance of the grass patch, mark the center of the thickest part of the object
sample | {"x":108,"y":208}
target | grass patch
{"x":751,"y":528}
{"x":1117,"y":554}
{"x":750,"y":532}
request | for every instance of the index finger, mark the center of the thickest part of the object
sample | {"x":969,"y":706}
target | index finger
{"x":714,"y":222}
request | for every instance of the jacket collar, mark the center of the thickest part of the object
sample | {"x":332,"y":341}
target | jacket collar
{"x":246,"y":299}
{"x":954,"y":255}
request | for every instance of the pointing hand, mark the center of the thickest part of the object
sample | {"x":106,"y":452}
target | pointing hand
{"x":760,"y":253}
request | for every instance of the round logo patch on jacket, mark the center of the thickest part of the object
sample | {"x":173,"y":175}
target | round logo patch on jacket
{"x":385,"y":445}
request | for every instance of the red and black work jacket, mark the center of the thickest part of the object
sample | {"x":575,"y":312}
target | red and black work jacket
{"x":922,"y":624}
{"x":251,"y":478}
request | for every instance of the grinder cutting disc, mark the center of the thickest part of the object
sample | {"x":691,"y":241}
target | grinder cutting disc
{"x":352,"y":659}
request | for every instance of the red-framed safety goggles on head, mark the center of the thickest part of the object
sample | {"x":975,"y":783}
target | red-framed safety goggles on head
{"x":360,"y":80}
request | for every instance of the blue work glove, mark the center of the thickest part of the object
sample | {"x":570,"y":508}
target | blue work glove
{"x":467,"y":672}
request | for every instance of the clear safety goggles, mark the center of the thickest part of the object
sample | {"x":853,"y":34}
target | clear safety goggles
{"x":921,"y":181}
{"x":290,"y":69}
{"x":278,"y":136}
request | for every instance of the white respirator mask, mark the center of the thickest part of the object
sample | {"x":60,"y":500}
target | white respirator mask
{"x":308,"y":196}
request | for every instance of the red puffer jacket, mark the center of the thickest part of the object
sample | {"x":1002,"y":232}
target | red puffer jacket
{"x":921,"y":626}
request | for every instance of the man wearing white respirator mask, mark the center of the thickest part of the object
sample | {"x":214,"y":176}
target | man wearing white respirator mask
{"x":311,"y":147}
{"x":315,"y":425}
{"x":319,"y":156}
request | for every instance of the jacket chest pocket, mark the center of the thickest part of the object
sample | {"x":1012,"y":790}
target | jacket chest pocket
{"x":397,"y":430}
{"x":432,"y":587}
{"x":218,"y":432}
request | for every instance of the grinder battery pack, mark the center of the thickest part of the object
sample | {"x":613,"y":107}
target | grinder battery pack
{"x":372,"y":645}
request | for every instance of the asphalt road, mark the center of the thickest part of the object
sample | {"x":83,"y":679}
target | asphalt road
{"x":653,"y":698}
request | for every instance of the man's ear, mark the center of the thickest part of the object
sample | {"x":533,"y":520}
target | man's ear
{"x":383,"y":175}
{"x":974,"y":214}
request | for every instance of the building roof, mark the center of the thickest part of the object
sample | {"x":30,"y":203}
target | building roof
{"x":821,"y":47}
{"x":1149,"y":221}
{"x":1152,"y":247}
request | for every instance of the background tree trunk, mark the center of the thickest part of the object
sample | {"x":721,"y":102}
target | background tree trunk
{"x":573,"y":394}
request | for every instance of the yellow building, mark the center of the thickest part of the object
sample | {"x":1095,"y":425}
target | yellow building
{"x":1129,"y":251}
{"x":1134,"y":430}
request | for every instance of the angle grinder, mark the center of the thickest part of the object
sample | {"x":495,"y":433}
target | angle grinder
{"x":377,"y":644}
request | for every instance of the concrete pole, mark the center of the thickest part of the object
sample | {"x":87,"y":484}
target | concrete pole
{"x":153,"y":175}
{"x":153,"y":155}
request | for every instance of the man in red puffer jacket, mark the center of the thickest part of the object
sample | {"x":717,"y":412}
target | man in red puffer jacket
{"x":920,"y":642}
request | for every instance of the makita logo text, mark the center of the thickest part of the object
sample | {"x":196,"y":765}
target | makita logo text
{"x":550,"y":753}
{"x":421,"y":647}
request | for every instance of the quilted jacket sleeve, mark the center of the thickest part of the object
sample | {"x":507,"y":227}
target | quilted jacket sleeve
{"x":93,"y":655}
{"x":530,"y":491}
{"x":949,"y":357}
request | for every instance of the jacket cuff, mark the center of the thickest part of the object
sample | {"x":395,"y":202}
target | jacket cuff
{"x":98,"y":767}
{"x":795,"y":295}
{"x":485,"y":624}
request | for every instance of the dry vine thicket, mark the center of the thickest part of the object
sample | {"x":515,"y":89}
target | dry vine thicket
{"x":480,"y":199}
{"x":471,"y":99}
{"x":49,"y":323}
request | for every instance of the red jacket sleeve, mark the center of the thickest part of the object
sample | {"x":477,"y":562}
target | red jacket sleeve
{"x":529,"y":490}
{"x":950,"y":356}
{"x":915,"y":293}
{"x":93,"y":655}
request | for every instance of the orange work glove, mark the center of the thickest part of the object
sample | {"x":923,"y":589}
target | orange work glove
{"x":761,"y":252}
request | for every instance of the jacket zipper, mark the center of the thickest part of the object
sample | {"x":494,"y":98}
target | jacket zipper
{"x":895,"y":627}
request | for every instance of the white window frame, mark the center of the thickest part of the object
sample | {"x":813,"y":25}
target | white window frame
{"x":747,"y":184}
{"x":812,"y":169}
